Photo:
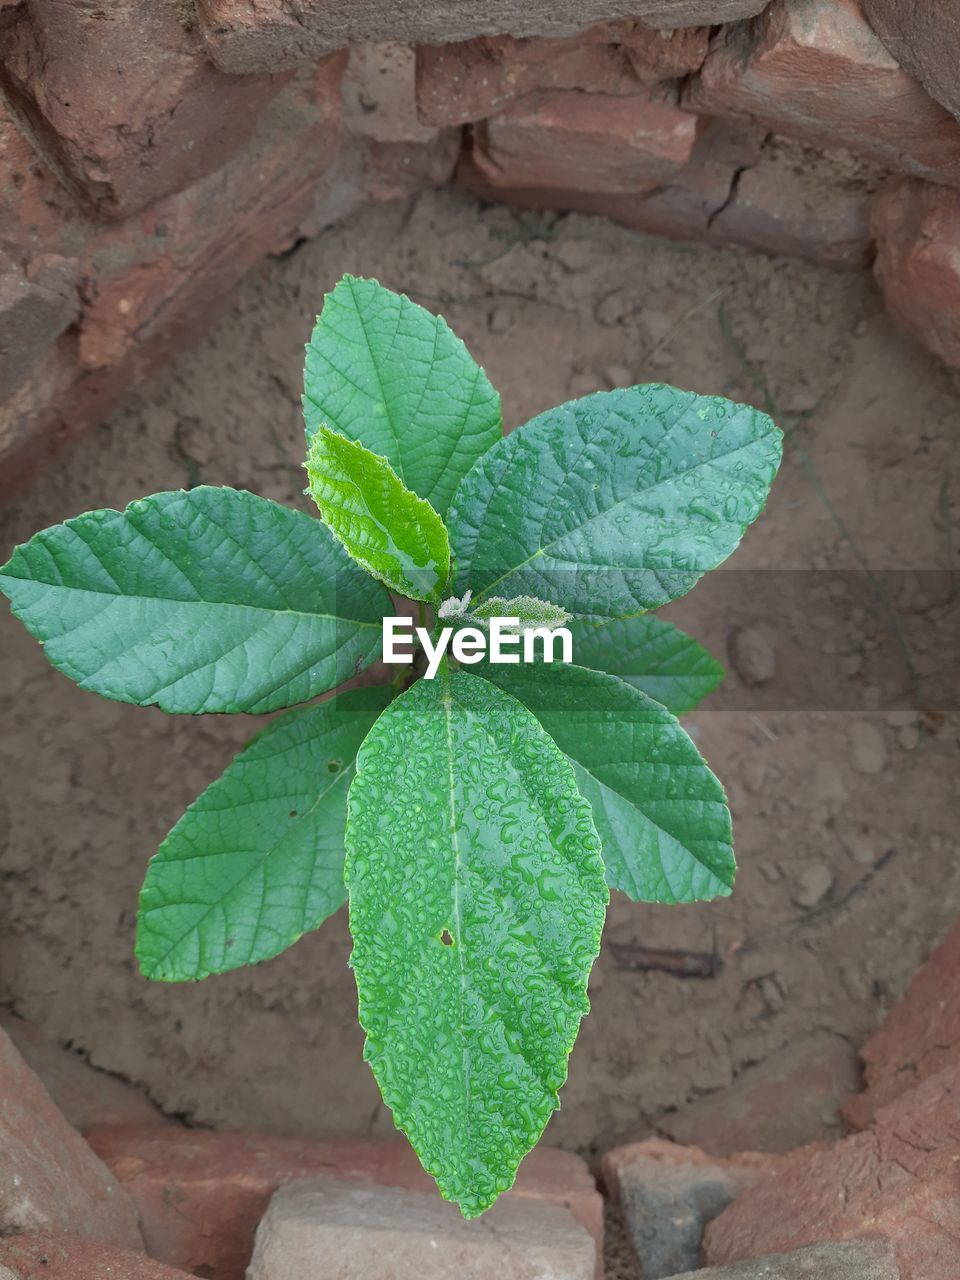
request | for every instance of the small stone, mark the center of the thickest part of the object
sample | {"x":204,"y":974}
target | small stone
{"x":868,"y":752}
{"x":500,"y":319}
{"x":614,"y":307}
{"x":909,"y":737}
{"x":618,"y":375}
{"x":327,"y":1228}
{"x":837,"y":1260}
{"x":752,"y":654}
{"x":814,"y":883}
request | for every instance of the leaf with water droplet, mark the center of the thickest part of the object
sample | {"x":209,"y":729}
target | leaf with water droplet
{"x":212,"y":600}
{"x":257,"y":859}
{"x":477,"y":899}
{"x":395,"y":535}
{"x":652,"y":655}
{"x":385,"y":372}
{"x":661,"y":813}
{"x":613,"y":504}
{"x":530,"y":612}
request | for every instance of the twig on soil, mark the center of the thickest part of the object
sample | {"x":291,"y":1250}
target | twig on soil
{"x":679,"y":964}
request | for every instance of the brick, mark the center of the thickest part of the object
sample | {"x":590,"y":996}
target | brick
{"x":847,"y":1260}
{"x":814,"y":70}
{"x":46,"y":1256}
{"x":123,"y":102}
{"x":201,"y":1195}
{"x":925,"y":40}
{"x":324,"y":1227}
{"x":469,"y":80}
{"x":917,"y":229}
{"x":919,"y":1037}
{"x":38,"y":301}
{"x":792,"y":1097}
{"x":600,"y":144}
{"x":271,"y":35}
{"x":897,"y":1182}
{"x":668,"y":1193}
{"x":49,"y":1177}
{"x":379,"y":97}
{"x":85,"y":1096}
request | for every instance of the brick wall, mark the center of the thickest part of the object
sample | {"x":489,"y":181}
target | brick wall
{"x":151,"y":151}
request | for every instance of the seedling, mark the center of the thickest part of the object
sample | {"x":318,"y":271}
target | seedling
{"x":476,"y":819}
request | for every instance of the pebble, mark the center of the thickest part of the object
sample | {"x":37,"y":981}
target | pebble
{"x":813,"y":885}
{"x":868,"y":752}
{"x":618,"y":375}
{"x":909,"y":737}
{"x":752,"y":654}
{"x":500,"y":319}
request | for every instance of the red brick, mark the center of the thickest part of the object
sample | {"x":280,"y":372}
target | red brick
{"x":85,"y":1096}
{"x":593,"y":142}
{"x":50,"y":1179}
{"x":467,"y":81}
{"x":925,"y":40}
{"x":814,"y":70}
{"x":45,"y":1256}
{"x":379,"y":98}
{"x":122,"y":100}
{"x":269,"y":35}
{"x":897,"y":1181}
{"x":790,"y":1098}
{"x":201,"y":1194}
{"x":917,"y":229}
{"x":667,"y":1194}
{"x":919,"y":1037}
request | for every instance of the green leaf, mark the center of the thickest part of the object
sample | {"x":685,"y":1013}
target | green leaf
{"x":212,"y":600}
{"x":395,"y":535}
{"x":387,"y":373}
{"x":662,"y":816}
{"x":465,"y":827}
{"x":616,"y":503}
{"x":257,"y":859}
{"x":531,"y":612}
{"x":651,"y":654}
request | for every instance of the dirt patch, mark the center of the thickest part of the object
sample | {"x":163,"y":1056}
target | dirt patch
{"x":845,"y":819}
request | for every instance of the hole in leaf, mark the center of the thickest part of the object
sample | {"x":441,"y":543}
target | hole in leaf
{"x":333,"y":766}
{"x":446,"y":939}
{"x":293,"y":813}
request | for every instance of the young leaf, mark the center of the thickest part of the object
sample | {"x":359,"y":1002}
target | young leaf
{"x":257,"y":859}
{"x":395,"y":535}
{"x":477,"y":898}
{"x":662,"y":816}
{"x":531,"y":612}
{"x":651,"y":654}
{"x":387,"y":373}
{"x":616,"y":503}
{"x":212,"y":600}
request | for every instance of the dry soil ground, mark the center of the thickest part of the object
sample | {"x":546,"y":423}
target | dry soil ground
{"x":845,"y":800}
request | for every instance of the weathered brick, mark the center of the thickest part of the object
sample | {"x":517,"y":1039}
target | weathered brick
{"x":379,"y":98}
{"x":85,"y":1096}
{"x":122,"y":101}
{"x":45,"y":1256}
{"x":38,"y":301}
{"x":354,"y":1228}
{"x":668,"y":1193}
{"x":201,"y":1195}
{"x":845,"y":1260}
{"x":814,"y":70}
{"x":925,"y":40}
{"x":49,"y":1177}
{"x":917,"y":229}
{"x":556,"y":140}
{"x":467,"y":81}
{"x":898,"y":1182}
{"x":921,"y":1034}
{"x":270,"y":35}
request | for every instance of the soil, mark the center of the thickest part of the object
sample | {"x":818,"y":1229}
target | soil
{"x":844,"y":799}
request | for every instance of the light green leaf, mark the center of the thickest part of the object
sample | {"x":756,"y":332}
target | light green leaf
{"x":387,"y":373}
{"x":465,"y":827}
{"x":662,"y":816}
{"x":651,"y":654}
{"x":212,"y":600}
{"x":395,"y":535}
{"x":616,"y":503}
{"x":257,"y":859}
{"x":532,"y":613}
